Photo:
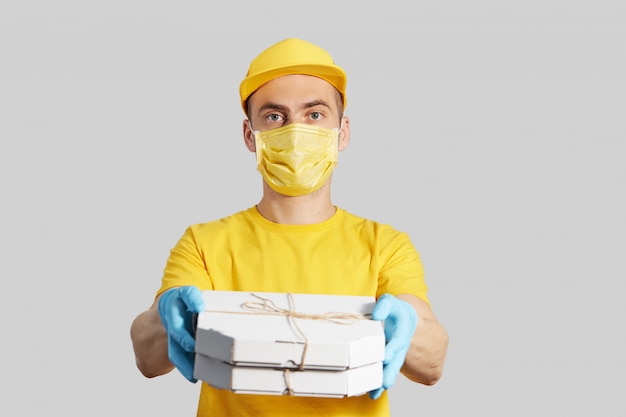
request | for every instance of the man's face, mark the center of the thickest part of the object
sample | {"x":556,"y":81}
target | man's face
{"x":295,"y":99}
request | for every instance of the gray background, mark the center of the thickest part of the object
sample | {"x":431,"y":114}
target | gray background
{"x":491,"y":131}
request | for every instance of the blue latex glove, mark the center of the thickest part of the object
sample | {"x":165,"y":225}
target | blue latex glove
{"x":177,"y":308}
{"x":400,"y":322}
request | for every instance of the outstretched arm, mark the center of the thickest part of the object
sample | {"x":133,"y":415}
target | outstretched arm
{"x":163,"y":336}
{"x":425,"y":358}
{"x":149,"y":340}
{"x":416,"y":343}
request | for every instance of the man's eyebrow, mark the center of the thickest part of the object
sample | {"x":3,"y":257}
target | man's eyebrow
{"x":272,"y":106}
{"x":315,"y":103}
{"x":280,"y":107}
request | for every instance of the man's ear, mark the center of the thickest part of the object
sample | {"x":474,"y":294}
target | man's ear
{"x":344,"y":133}
{"x":248,"y":136}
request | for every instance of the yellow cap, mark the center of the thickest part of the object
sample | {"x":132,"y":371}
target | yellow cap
{"x":292,"y":56}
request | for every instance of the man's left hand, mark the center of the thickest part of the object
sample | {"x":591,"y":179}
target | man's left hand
{"x":400,"y":321}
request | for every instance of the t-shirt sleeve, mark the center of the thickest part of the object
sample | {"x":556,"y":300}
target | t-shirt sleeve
{"x":401,"y":271}
{"x":185,"y":265}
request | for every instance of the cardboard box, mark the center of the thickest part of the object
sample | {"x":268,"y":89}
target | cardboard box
{"x":231,"y":332}
{"x":271,"y":381}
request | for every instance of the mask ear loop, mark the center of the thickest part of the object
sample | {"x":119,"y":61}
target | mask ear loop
{"x":254,"y":132}
{"x":255,"y":136}
{"x":254,"y":140}
{"x":339,"y":131}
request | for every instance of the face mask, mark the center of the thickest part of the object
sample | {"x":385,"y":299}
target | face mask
{"x":296,"y":159}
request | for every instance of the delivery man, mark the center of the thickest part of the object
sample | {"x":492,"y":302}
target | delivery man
{"x":295,"y":240}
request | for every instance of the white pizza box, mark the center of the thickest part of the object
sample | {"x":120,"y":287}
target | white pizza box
{"x":255,"y":329}
{"x":275,"y":381}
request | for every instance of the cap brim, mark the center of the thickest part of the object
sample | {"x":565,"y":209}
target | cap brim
{"x":333,"y":74}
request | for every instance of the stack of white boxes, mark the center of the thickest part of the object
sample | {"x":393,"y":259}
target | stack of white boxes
{"x":289,"y":344}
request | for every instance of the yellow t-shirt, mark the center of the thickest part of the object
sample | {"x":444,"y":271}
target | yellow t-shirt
{"x":344,"y":255}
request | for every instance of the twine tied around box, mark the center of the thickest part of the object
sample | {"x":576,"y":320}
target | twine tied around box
{"x":267,"y":307}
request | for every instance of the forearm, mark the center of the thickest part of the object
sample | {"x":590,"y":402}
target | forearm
{"x":425,"y":359}
{"x":150,"y":343}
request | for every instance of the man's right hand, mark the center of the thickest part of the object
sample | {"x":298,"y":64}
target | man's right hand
{"x":177,"y":307}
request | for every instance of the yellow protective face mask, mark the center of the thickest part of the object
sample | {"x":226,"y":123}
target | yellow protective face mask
{"x":296,"y":159}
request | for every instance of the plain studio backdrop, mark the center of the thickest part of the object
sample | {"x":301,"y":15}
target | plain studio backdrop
{"x":492,"y":132}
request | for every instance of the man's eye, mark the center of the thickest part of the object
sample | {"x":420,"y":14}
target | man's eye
{"x":316,"y":115}
{"x":274,"y":117}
